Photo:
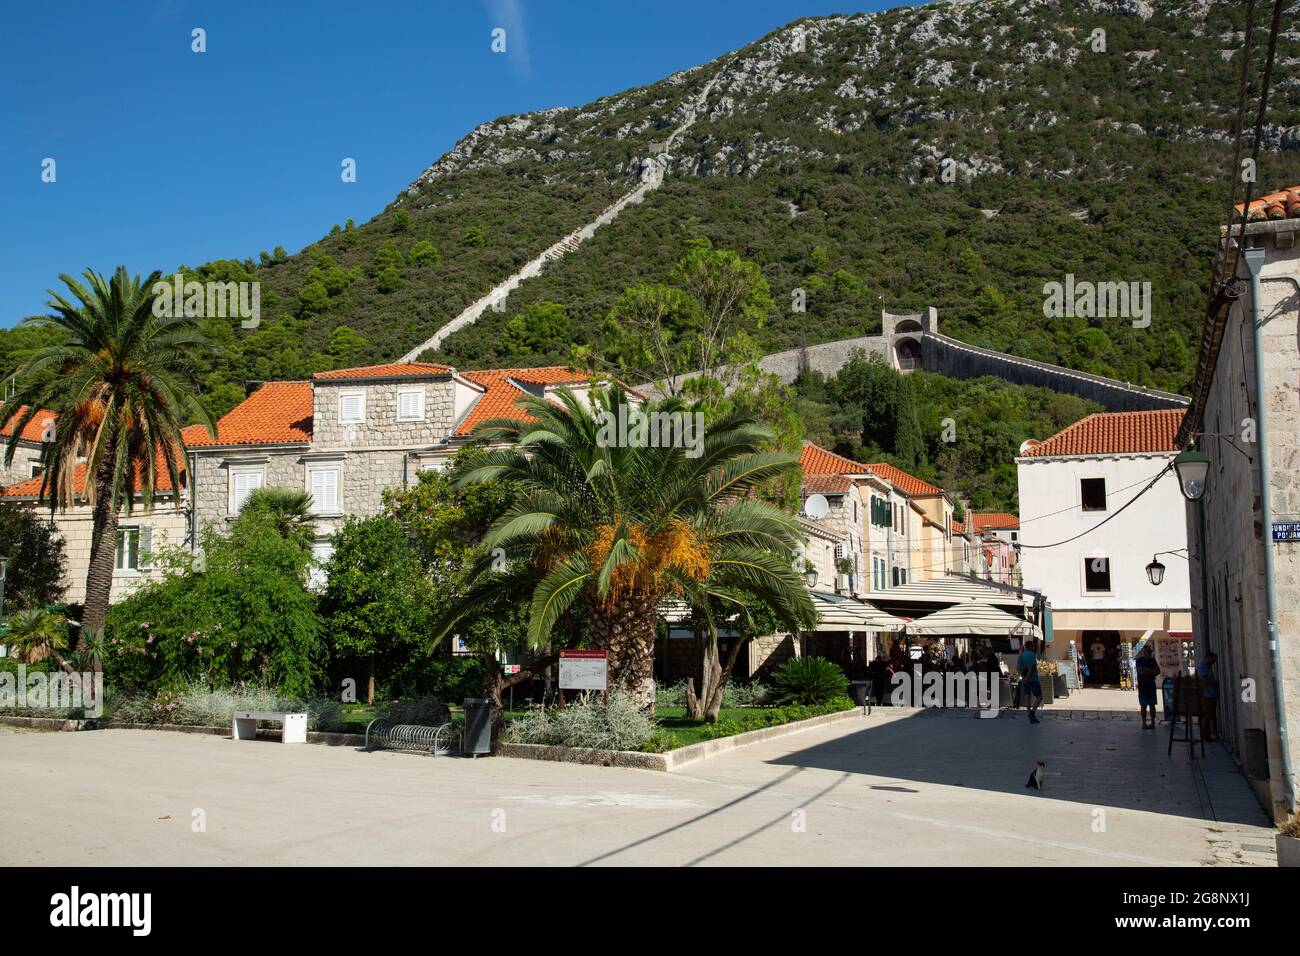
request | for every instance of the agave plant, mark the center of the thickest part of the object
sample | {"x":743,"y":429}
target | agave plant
{"x":620,"y":527}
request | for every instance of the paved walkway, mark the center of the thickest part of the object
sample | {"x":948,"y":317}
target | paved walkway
{"x":898,"y":787}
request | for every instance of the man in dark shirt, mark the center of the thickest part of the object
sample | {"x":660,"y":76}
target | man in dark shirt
{"x":1147,"y":669}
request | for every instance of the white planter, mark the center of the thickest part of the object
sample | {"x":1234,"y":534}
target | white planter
{"x":1288,"y":850}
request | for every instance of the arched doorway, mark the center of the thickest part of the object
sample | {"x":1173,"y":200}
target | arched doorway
{"x":908,"y":353}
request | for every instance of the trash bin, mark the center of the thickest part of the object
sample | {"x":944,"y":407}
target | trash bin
{"x":1005,"y":698}
{"x":478,"y":727}
{"x":1059,"y":687}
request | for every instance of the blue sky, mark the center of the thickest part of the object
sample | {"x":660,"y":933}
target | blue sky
{"x":166,"y":156}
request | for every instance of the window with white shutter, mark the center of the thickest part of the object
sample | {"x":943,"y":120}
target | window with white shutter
{"x":352,"y":407}
{"x":243,"y":482}
{"x":323,"y":485}
{"x":410,"y":405}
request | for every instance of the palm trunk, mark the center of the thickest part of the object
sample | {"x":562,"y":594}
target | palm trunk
{"x":103,"y":551}
{"x":625,"y":627}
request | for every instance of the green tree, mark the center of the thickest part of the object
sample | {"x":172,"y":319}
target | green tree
{"x":376,"y":600}
{"x":539,"y":329}
{"x":616,"y":526}
{"x":34,"y":575}
{"x":125,"y":382}
{"x":424,"y":253}
{"x":287,"y":510}
{"x":346,"y":344}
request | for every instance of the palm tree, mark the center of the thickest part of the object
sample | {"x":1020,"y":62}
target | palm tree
{"x":35,"y":633}
{"x":287,"y":509}
{"x":620,"y":527}
{"x":123,"y":381}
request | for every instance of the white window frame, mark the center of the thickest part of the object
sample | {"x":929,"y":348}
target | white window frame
{"x":143,"y":535}
{"x":34,"y":468}
{"x":235,"y":472}
{"x":418,"y":392}
{"x":359,"y":394}
{"x":321,"y":467}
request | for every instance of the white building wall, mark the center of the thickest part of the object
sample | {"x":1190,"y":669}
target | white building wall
{"x":1051,"y":511}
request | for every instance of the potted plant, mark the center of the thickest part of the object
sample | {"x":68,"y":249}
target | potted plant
{"x":1046,"y":673}
{"x":1288,"y":842}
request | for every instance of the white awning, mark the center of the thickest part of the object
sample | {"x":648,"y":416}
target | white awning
{"x":953,"y":589}
{"x":973,"y":617}
{"x":841,"y":615}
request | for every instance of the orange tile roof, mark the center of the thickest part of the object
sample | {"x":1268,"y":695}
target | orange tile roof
{"x":1284,"y":204}
{"x":391,"y":370}
{"x":31,"y":487}
{"x":958,"y":527}
{"x":501,"y":400}
{"x":1114,"y":433}
{"x":278,"y":413}
{"x":35,"y":429}
{"x":826,"y":484}
{"x":993,"y":521}
{"x":912,"y":486}
{"x":816,"y":460}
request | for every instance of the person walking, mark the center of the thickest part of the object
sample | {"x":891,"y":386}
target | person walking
{"x":1031,"y":688}
{"x":1098,"y":650}
{"x":1147,"y":669}
{"x":1209,"y":694}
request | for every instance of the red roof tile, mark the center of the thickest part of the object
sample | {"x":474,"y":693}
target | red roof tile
{"x":31,"y":487}
{"x":993,"y":521}
{"x":278,"y":413}
{"x":35,"y":429}
{"x":1284,"y":204}
{"x":501,"y":400}
{"x":958,"y":527}
{"x":911,"y":485}
{"x":816,"y":460}
{"x":826,"y":484}
{"x":391,"y":370}
{"x":1114,"y":433}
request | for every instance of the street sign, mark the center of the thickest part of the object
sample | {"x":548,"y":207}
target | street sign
{"x":1286,"y":530}
{"x":511,"y":669}
{"x":584,"y":670}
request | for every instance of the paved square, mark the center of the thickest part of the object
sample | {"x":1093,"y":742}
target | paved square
{"x":898,"y":787}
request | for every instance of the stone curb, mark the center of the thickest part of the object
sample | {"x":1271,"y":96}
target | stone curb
{"x":672,"y":759}
{"x":48,"y":723}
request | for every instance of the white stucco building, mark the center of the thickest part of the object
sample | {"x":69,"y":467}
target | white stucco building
{"x":1087,"y":557}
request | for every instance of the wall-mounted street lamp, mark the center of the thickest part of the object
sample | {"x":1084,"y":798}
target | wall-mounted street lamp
{"x":810,"y":578}
{"x":1193,"y":470}
{"x":1156,"y":570}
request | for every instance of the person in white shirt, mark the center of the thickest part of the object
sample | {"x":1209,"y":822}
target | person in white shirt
{"x":1098,"y":650}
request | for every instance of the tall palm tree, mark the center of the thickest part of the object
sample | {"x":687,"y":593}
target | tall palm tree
{"x":621,"y":527}
{"x":123,"y":381}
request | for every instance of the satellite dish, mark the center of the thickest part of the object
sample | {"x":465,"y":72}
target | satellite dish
{"x":815,"y":506}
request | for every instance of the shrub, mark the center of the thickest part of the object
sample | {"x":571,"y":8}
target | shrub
{"x":587,"y":722}
{"x":201,"y":705}
{"x":774,"y":716}
{"x":734,"y":695}
{"x":810,"y":680}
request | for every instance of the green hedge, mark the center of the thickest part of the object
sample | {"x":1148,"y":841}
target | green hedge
{"x":775,"y":716}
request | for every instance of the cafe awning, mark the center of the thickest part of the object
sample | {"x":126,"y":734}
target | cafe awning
{"x":972,"y":618}
{"x":838,"y":614}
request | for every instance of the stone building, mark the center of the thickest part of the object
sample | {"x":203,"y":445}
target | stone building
{"x":343,"y":437}
{"x":27,"y":455}
{"x":1244,"y":532}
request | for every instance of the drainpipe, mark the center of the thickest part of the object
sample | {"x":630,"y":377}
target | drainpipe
{"x":1254,"y":259}
{"x":194,"y":502}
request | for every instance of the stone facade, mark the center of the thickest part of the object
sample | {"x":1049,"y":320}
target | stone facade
{"x":26,"y":459}
{"x":163,"y":527}
{"x":1226,"y":531}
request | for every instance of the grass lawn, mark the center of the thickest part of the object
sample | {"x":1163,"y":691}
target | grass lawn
{"x":673,"y":720}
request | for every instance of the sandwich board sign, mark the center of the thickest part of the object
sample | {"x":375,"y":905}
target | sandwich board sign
{"x":584,"y":670}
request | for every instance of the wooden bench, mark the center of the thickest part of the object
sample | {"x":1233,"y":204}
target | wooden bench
{"x":243,"y":725}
